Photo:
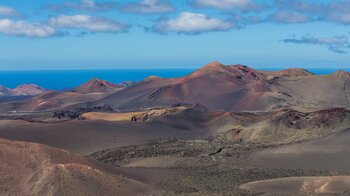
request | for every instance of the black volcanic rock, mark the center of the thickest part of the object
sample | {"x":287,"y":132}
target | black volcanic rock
{"x":75,"y":114}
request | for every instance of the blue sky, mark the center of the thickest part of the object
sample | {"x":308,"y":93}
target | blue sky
{"x":104,"y":34}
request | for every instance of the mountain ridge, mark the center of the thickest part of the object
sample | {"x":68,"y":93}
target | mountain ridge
{"x":216,"y":86}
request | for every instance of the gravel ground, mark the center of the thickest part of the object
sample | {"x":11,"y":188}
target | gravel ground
{"x":216,"y":167}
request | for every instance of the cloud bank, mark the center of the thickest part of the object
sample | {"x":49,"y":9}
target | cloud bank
{"x":287,"y":17}
{"x":149,"y":7}
{"x":192,"y":23}
{"x":338,"y":44}
{"x":243,"y":5}
{"x":7,"y":11}
{"x":333,"y":11}
{"x":85,"y":5}
{"x":26,"y":29}
{"x":88,"y":23}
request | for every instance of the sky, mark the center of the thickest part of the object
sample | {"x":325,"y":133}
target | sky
{"x":109,"y":34}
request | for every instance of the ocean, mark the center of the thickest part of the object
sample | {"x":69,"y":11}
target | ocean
{"x":68,"y":79}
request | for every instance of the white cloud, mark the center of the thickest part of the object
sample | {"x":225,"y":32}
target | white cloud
{"x":299,"y":6}
{"x":89,"y":23}
{"x":244,"y":5}
{"x":339,"y":6}
{"x":88,"y":5}
{"x":22,"y":28}
{"x":222,"y":4}
{"x":7,"y":11}
{"x":339,"y":18}
{"x":149,"y":7}
{"x":289,"y":17}
{"x":190,"y":23}
{"x":298,"y":11}
{"x":338,"y":44}
{"x":337,"y":12}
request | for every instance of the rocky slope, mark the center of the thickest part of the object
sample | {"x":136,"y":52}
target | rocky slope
{"x":22,"y":90}
{"x":98,"y":86}
{"x":282,"y":126}
{"x":49,"y":100}
{"x":302,"y":185}
{"x":41,"y":170}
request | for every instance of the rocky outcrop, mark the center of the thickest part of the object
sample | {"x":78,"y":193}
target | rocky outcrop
{"x":284,"y":126}
{"x":76,"y":114}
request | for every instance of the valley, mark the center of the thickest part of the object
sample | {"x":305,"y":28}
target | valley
{"x":222,"y":130}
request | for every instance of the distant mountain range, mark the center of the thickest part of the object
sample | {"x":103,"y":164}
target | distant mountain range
{"x":215,"y":86}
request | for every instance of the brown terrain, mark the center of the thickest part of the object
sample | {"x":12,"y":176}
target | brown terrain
{"x":94,"y":89}
{"x":28,"y":168}
{"x":98,"y":86}
{"x":301,"y":185}
{"x":222,"y":130}
{"x":236,"y":88}
{"x":22,"y":90}
{"x":227,"y":88}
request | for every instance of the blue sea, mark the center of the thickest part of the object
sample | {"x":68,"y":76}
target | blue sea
{"x":68,"y":79}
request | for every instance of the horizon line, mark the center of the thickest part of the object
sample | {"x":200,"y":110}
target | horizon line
{"x":170,"y":68}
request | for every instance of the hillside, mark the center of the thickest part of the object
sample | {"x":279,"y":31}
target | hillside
{"x":22,"y":90}
{"x":236,"y":88}
{"x":97,"y":86}
{"x":41,"y":170}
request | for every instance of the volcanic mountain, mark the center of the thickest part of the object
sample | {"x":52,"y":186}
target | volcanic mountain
{"x":218,"y":87}
{"x":238,"y":88}
{"x":5,"y":91}
{"x":92,"y":90}
{"x":98,"y":86}
{"x":50,"y":100}
{"x":215,"y":86}
{"x":22,"y":90}
{"x":42,"y":170}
